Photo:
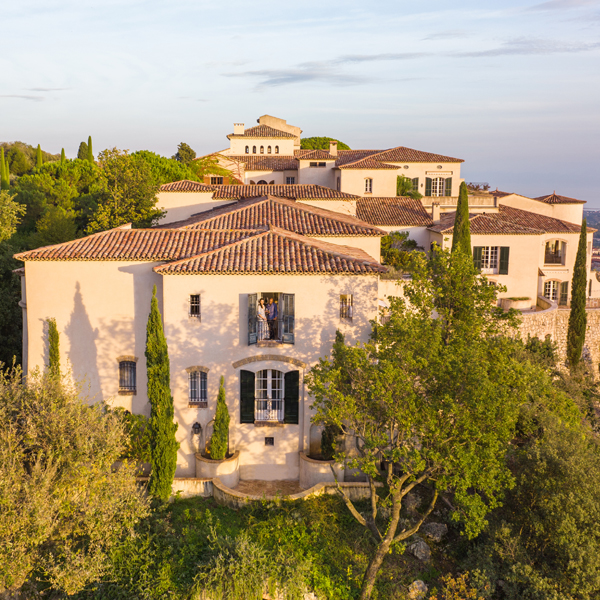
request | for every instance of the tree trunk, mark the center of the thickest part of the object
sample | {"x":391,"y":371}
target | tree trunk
{"x":373,"y":568}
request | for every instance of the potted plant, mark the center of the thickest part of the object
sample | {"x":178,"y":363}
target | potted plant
{"x":217,"y":461}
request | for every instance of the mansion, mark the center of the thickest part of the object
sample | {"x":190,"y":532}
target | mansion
{"x":302,"y":232}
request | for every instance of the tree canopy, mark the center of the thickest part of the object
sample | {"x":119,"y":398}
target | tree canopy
{"x":185,"y":154}
{"x":321,"y":143}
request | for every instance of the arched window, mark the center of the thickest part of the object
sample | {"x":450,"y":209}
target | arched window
{"x":247,"y":149}
{"x":262,"y":182}
{"x":253,"y":149}
{"x":555,"y":252}
{"x":268,"y":149}
{"x":262,"y":149}
{"x":127,"y":377}
{"x":252,"y":182}
{"x":276,"y":149}
{"x":368,"y":185}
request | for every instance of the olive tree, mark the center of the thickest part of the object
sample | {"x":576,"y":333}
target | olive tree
{"x":431,"y":402}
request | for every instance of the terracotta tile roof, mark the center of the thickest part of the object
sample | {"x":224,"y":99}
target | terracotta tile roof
{"x":508,"y":221}
{"x":300,"y":192}
{"x":367,"y":163}
{"x":403,"y":154}
{"x":395,"y":211}
{"x":278,"y":252}
{"x":185,"y":186}
{"x":260,"y":162}
{"x":263,"y":131}
{"x":315,"y":155}
{"x":554,"y":198}
{"x":253,"y":213}
{"x":348,"y":156}
{"x":137,"y":244}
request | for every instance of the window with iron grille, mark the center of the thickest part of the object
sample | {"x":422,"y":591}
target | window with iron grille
{"x":216,"y":180}
{"x":195,"y":306}
{"x":127,"y":377}
{"x":346,"y":307}
{"x":368,"y":186}
{"x":197,"y":387}
{"x":290,"y":180}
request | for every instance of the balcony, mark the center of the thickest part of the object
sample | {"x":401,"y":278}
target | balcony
{"x":271,"y":322}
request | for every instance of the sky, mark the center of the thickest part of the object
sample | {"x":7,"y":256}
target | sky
{"x":511,"y":87}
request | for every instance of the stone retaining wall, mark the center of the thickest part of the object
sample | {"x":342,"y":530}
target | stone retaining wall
{"x":554,"y":321}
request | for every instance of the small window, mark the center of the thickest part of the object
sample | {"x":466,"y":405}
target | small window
{"x":312,"y":164}
{"x":127,"y":383}
{"x":262,"y":149}
{"x":195,"y":306}
{"x":564,"y":293}
{"x":322,"y":164}
{"x":216,"y":181}
{"x":551,"y":290}
{"x":247,"y":149}
{"x":197,"y":387}
{"x":253,"y":149}
{"x":346,"y":307}
{"x":368,"y":186}
{"x":262,"y":182}
{"x":276,"y":149}
{"x":268,"y":149}
{"x":290,"y":180}
{"x":269,"y":441}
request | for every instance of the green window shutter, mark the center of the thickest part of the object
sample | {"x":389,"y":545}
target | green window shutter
{"x":291,"y":397}
{"x":415,"y":184}
{"x":252,"y":324}
{"x":564,"y":293}
{"x":428,"y":186}
{"x":448,"y":187}
{"x":477,"y":257}
{"x":504,"y":252}
{"x":246,"y":397}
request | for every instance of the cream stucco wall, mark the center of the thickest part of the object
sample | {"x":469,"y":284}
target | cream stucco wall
{"x":421,"y":235}
{"x":573,"y":213}
{"x":181,"y":205}
{"x":277,"y":177}
{"x":424,"y":170}
{"x":238,"y":146}
{"x":317,"y":175}
{"x":221,"y":338}
{"x":353,"y":181}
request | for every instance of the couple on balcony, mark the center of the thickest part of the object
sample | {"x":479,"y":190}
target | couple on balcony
{"x":267,"y":320}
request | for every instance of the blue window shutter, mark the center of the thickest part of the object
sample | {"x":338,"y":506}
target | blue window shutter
{"x":252,"y":324}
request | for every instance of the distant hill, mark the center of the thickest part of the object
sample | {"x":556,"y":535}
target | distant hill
{"x":593,"y":220}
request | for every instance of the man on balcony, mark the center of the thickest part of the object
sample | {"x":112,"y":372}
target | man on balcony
{"x":272,"y":319}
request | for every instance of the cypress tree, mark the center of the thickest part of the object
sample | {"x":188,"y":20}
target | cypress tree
{"x":220,"y":437}
{"x":163,"y":445}
{"x":461,"y":237}
{"x":4,"y":172}
{"x":82,"y":153}
{"x":63,"y":158}
{"x":578,"y":316}
{"x":90,"y":155}
{"x":39,"y":161}
{"x":53,"y":348}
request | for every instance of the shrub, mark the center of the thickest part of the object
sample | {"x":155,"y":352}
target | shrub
{"x":219,"y":441}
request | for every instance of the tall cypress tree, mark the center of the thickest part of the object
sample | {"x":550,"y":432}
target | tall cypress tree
{"x":162,"y":428}
{"x":63,"y":158}
{"x":90,"y":155}
{"x":53,"y":348}
{"x":39,"y":161}
{"x":220,"y":437}
{"x":578,"y":316}
{"x":461,"y":238}
{"x":4,"y":172}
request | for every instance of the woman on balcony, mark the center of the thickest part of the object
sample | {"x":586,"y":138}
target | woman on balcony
{"x":261,"y":312}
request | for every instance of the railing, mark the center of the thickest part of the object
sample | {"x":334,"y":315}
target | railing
{"x":268,"y":410}
{"x":280,"y":330}
{"x":551,"y":258}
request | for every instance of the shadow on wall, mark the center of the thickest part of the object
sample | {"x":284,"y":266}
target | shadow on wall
{"x":83,"y":355}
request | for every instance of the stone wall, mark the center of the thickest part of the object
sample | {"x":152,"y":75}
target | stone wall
{"x":554,"y":321}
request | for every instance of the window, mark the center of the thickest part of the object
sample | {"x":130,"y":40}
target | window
{"x":491,"y":259}
{"x":195,"y":306}
{"x":338,"y":184}
{"x":247,"y":149}
{"x":262,"y":149}
{"x":268,"y":149}
{"x":438,"y":186}
{"x":253,"y":149}
{"x":127,"y":377}
{"x":262,"y":182}
{"x":564,"y":293}
{"x":346,"y":307}
{"x":271,"y":318}
{"x":197,"y":387}
{"x":368,"y":186}
{"x":276,"y":149}
{"x":216,"y":180}
{"x":269,"y":396}
{"x":551,"y":290}
{"x":290,"y":180}
{"x":555,"y":252}
{"x":415,"y":183}
{"x":269,"y":441}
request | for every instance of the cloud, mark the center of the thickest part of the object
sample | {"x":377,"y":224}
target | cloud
{"x":23,"y":97}
{"x":562,"y":4}
{"x":359,"y":58}
{"x":528,"y":47}
{"x":449,"y":34}
{"x":41,"y":89}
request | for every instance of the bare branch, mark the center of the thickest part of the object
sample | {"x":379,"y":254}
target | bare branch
{"x":406,"y":533}
{"x":347,"y":501}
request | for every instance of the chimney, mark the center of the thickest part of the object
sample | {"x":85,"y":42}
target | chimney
{"x":238,"y":129}
{"x":435,"y":212}
{"x":333,"y":148}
